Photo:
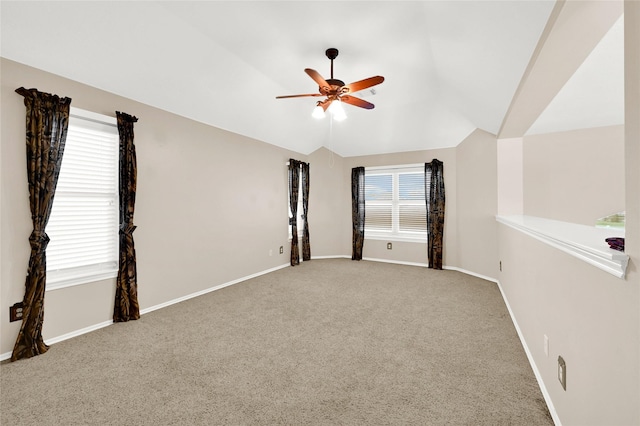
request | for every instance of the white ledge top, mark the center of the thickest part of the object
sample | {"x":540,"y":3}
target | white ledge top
{"x":584,"y":242}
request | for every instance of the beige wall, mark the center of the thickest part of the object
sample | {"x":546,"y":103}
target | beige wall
{"x":591,"y":317}
{"x":210,"y":205}
{"x":591,"y":320}
{"x":326,"y":205}
{"x":575,"y":176}
{"x":477,"y":197}
{"x":203,"y":218}
{"x":408,"y":251}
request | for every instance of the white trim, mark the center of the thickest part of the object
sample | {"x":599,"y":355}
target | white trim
{"x":536,"y":372}
{"x":94,"y":327}
{"x":587,"y":243}
{"x":67,"y":336}
{"x":534,"y":367}
{"x":397,"y":262}
{"x":398,"y":166}
{"x":79,"y":332}
{"x":93,"y":116}
{"x":60,"y":283}
{"x":209,"y":290}
{"x":421,"y":239}
{"x":340,"y":256}
{"x":473,"y":274}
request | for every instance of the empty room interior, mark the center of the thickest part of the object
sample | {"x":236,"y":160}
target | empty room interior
{"x":532,"y":108}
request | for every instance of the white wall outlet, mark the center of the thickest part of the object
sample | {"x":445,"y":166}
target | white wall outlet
{"x":389,"y":246}
{"x":546,"y":345}
{"x":562,"y":372}
{"x":270,"y":252}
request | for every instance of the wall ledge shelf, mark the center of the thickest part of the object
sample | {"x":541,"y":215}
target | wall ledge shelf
{"x":587,"y":243}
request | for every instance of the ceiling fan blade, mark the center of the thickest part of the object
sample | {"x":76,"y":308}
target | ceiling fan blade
{"x":352,"y":100}
{"x":322,"y":83}
{"x":298,"y":96}
{"x":363,"y":84}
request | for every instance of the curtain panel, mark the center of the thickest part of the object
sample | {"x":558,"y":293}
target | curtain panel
{"x":294,"y":181}
{"x":126,"y":302}
{"x":306,"y":246}
{"x":435,"y":200}
{"x":357,"y":212}
{"x":47,"y":121}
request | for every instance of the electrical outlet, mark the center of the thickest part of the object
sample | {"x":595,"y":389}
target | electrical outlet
{"x":270,"y":252}
{"x":281,"y":249}
{"x":389,"y":246}
{"x":562,"y":372}
{"x":15,"y":312}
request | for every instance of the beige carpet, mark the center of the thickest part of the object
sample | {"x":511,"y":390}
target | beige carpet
{"x":329,"y":342}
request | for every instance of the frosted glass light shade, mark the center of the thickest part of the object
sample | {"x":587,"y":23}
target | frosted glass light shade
{"x":318,"y":112}
{"x":337,"y":111}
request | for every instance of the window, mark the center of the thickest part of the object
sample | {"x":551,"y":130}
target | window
{"x":394,"y":203}
{"x":300,"y":212}
{"x":83,"y":226}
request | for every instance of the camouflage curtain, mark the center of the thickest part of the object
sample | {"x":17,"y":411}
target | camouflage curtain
{"x":306,"y":246}
{"x":294,"y":180}
{"x":357,"y":211}
{"x":434,"y":196}
{"x":126,"y":304}
{"x":47,"y":123}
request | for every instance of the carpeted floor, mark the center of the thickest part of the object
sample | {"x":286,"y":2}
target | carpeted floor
{"x":329,"y":342}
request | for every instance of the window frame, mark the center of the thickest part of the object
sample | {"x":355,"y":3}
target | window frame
{"x":300,"y":212}
{"x":72,"y":276}
{"x":395,"y":234}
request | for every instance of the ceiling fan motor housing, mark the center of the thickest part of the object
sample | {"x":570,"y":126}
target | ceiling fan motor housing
{"x":332,"y":53}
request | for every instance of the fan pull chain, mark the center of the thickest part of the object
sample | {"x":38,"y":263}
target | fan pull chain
{"x":332,"y":160}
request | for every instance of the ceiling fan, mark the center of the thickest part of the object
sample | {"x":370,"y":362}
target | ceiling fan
{"x":335,"y":90}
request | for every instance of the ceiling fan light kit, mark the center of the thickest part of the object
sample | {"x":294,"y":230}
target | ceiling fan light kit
{"x":336,"y":92}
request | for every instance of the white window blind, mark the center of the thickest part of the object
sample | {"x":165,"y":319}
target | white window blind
{"x":395,"y":203}
{"x":378,"y":196}
{"x":300,"y":212}
{"x":83,"y":227}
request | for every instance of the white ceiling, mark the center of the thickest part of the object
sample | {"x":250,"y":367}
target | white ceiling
{"x":449,"y":66}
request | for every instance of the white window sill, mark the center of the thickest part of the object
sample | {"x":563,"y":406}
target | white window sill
{"x":587,"y":243}
{"x":64,"y":279}
{"x":396,"y":237}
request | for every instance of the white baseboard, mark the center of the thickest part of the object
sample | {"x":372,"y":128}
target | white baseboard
{"x":473,"y":274}
{"x":77,"y":333}
{"x":208,"y":290}
{"x":94,"y":327}
{"x":66,"y":336}
{"x":397,"y":262}
{"x":330,"y":257}
{"x":541,"y":384}
{"x":534,"y":367}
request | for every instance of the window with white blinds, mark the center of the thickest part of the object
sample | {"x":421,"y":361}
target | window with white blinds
{"x":83,"y":227}
{"x":394,"y":203}
{"x":300,"y":211}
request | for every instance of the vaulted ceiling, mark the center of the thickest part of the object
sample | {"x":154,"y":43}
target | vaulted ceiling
{"x":449,"y":66}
